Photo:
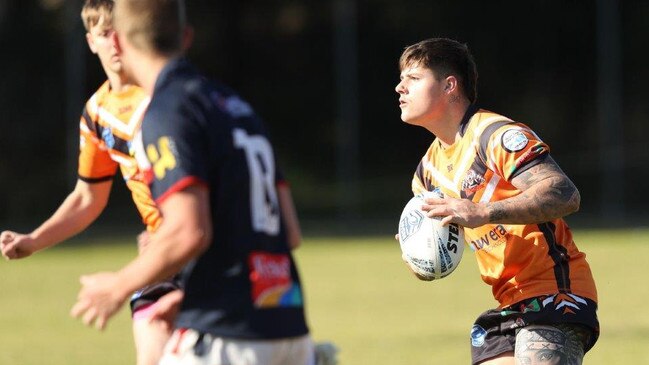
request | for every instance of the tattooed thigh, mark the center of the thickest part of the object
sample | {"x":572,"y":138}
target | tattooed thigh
{"x":549,"y":345}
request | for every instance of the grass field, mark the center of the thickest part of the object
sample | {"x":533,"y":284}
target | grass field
{"x":359,"y":295}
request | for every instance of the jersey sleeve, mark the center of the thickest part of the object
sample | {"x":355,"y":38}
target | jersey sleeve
{"x":512,"y":149}
{"x":176,"y":150}
{"x":95,"y":164}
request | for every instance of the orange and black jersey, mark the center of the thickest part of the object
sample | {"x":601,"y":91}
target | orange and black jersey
{"x":109,"y":122}
{"x":518,"y":261}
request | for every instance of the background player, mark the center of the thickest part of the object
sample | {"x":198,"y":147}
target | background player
{"x":110,"y":120}
{"x":213,"y":174}
{"x":501,"y":184}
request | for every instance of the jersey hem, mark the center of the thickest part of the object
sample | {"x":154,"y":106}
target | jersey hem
{"x":92,"y":180}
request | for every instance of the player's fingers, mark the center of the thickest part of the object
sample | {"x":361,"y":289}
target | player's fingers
{"x":434,"y":201}
{"x":446,"y":220}
{"x":79,"y":307}
{"x":8,"y":252}
{"x":85,"y":279}
{"x":89,"y":316}
{"x":433,"y":212}
{"x":6,"y":237}
{"x":100,"y":322}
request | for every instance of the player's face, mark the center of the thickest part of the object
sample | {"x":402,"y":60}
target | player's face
{"x":100,"y":42}
{"x":420,"y":95}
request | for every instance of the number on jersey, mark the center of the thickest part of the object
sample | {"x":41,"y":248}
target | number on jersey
{"x":264,"y":206}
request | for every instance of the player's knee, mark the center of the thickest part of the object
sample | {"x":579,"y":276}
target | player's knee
{"x":538,"y":344}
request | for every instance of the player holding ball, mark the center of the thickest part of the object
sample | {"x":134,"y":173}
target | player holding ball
{"x":501,"y":184}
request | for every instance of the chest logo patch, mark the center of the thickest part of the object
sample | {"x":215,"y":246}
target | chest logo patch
{"x":514,"y":140}
{"x":472,"y":182}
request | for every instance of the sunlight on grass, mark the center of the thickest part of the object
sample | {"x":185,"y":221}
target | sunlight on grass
{"x":359,"y":295}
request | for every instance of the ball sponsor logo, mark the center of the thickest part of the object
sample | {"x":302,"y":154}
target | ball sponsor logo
{"x":410,"y":224}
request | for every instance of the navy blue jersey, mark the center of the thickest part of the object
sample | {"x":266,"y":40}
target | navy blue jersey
{"x":246,"y":284}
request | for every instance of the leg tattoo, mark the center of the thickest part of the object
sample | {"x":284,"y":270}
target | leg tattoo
{"x":548,"y":345}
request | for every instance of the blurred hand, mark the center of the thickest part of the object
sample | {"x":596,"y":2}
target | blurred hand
{"x":167,"y":307}
{"x":461,"y":211}
{"x":16,"y":245}
{"x":99,"y":299}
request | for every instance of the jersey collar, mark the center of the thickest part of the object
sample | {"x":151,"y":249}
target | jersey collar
{"x":470,"y":111}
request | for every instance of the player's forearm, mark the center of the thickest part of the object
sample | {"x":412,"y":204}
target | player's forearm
{"x":74,"y":215}
{"x":183,"y":235}
{"x":548,"y":199}
{"x":168,"y":252}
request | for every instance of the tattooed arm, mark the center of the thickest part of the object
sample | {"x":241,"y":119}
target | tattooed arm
{"x":546,"y":194}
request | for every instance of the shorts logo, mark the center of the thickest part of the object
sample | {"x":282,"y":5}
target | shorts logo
{"x":514,"y":140}
{"x":478,"y":335}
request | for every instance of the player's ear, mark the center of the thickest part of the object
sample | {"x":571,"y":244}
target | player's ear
{"x":450,"y":84}
{"x":91,"y":43}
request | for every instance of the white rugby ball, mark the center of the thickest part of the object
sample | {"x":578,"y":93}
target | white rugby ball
{"x":433,"y":251}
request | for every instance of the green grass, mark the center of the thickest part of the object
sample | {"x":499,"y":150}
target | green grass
{"x":359,"y":295}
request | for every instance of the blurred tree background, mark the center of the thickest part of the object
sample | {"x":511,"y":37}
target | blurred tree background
{"x":322,"y":74}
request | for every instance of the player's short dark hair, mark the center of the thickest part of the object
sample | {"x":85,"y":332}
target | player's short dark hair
{"x":445,"y":57}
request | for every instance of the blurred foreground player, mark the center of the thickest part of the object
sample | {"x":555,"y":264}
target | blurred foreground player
{"x":213,"y":175}
{"x":110,"y":120}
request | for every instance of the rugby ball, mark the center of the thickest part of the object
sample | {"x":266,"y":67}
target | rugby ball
{"x":433,"y":251}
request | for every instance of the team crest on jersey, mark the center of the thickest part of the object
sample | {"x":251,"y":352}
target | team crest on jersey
{"x":108,"y":137}
{"x":472,"y":182}
{"x":514,"y":140}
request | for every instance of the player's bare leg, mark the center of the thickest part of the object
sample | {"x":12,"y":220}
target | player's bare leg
{"x":150,"y":335}
{"x":503,"y":359}
{"x":549,"y":345}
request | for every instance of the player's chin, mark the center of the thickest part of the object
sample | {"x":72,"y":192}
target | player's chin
{"x":408,"y":119}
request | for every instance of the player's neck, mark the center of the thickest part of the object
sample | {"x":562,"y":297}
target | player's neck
{"x":117,"y":81}
{"x":148,"y":72}
{"x":447,"y":129}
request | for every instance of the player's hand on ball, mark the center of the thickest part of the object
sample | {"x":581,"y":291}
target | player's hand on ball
{"x":98,"y":300}
{"x":463,"y":212}
{"x":16,"y":245}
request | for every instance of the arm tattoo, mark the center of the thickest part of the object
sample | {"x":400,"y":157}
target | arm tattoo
{"x":546,"y":194}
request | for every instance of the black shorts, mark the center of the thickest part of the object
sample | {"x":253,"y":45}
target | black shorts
{"x":494,"y":332}
{"x":150,"y":294}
